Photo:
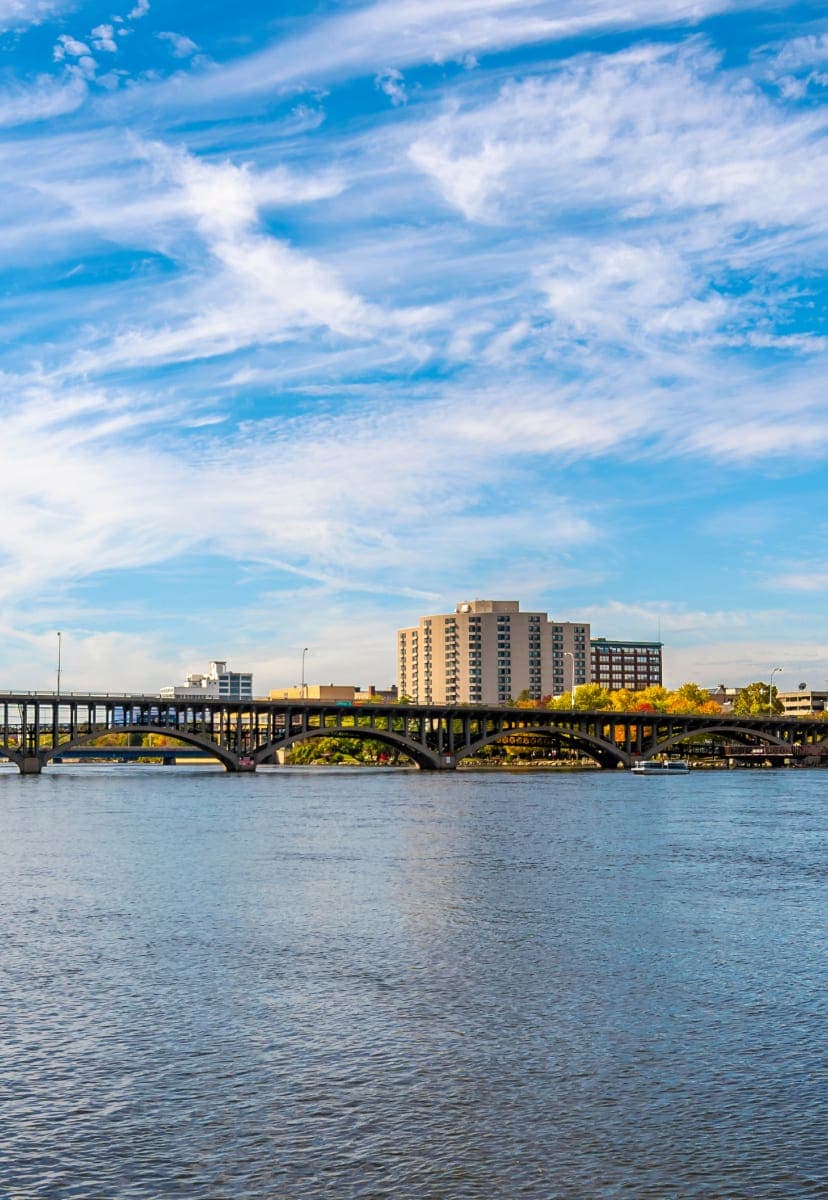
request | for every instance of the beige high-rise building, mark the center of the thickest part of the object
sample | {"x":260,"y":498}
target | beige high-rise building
{"x":488,"y":652}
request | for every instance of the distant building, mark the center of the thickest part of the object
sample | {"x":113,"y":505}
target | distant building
{"x":489,"y":652}
{"x":368,"y":695}
{"x":803,"y":702}
{"x":724,"y":696}
{"x":570,"y":638}
{"x":316,"y":691}
{"x":217,"y":684}
{"x":621,"y":664}
{"x":336,"y":692}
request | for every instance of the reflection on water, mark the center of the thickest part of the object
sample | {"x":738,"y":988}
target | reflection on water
{"x":371,"y":984}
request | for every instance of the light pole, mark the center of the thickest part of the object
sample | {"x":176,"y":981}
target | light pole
{"x":304,"y":652}
{"x":770,"y":690}
{"x":569,"y":654}
{"x":58,"y":666}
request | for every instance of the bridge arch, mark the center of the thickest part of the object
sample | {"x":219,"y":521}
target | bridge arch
{"x":227,"y":758}
{"x":605,"y":753}
{"x":12,"y":753}
{"x":738,"y":733}
{"x":424,"y":758}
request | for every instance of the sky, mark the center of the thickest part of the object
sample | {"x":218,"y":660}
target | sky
{"x":317,"y":318}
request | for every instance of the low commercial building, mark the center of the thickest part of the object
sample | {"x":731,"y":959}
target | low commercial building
{"x":330,"y":692}
{"x":336,"y":693}
{"x":372,"y":694}
{"x":803,"y":703}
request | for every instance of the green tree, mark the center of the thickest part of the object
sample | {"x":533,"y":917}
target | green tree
{"x":593,"y":698}
{"x":757,"y":700}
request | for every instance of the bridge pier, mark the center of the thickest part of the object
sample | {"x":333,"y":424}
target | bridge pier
{"x":30,"y":764}
{"x":438,"y":762}
{"x":243,"y":766}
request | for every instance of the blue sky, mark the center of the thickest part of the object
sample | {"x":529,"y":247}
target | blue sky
{"x":317,"y":321}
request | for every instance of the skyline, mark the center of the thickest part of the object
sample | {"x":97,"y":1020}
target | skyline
{"x":316,"y":325}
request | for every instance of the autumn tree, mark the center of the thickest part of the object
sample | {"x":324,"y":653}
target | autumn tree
{"x":757,"y":700}
{"x":592,"y":697}
{"x":652,"y":699}
{"x":691,"y":698}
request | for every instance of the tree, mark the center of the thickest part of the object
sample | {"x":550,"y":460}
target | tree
{"x":690,"y":698}
{"x":757,"y":700}
{"x":693,"y":695}
{"x":652,"y":699}
{"x":593,"y":698}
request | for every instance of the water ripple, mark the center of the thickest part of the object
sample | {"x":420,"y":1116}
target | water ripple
{"x":377,"y":985}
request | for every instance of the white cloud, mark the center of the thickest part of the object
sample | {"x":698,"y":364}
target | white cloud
{"x":591,"y":266}
{"x":103,"y":39}
{"x":399,"y":33}
{"x":737,"y":662}
{"x":623,"y":290}
{"x":392,"y":83}
{"x":84,"y":446}
{"x":181,"y":46}
{"x":253,"y":288}
{"x":797,"y":66}
{"x":730,"y":646}
{"x":649,"y":133}
{"x":20,"y":13}
{"x":140,"y":10}
{"x":44,"y":99}
{"x":67,"y":45}
{"x":810,"y":578}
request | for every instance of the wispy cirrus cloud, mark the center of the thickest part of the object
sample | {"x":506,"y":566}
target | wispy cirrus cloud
{"x":25,"y":104}
{"x":433,"y":330}
{"x":393,"y":34}
{"x":798,"y":66}
{"x":15,"y":14}
{"x":648,"y":134}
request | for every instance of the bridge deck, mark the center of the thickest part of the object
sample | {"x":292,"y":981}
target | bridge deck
{"x":38,"y":727}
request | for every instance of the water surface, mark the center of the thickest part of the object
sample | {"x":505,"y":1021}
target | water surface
{"x":394,"y":984}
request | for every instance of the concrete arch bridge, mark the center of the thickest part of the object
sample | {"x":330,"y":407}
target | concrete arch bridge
{"x":38,"y":727}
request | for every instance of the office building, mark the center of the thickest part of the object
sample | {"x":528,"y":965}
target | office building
{"x":217,"y":684}
{"x":489,"y":652}
{"x":803,"y":703}
{"x":621,"y":664}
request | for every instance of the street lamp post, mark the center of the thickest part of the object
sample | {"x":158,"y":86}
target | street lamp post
{"x":58,"y":666}
{"x":569,"y":654}
{"x":304,"y":652}
{"x":770,"y":690}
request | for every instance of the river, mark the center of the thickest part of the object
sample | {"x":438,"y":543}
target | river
{"x":356,"y":983}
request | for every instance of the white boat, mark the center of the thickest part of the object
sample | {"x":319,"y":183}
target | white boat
{"x":675,"y":766}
